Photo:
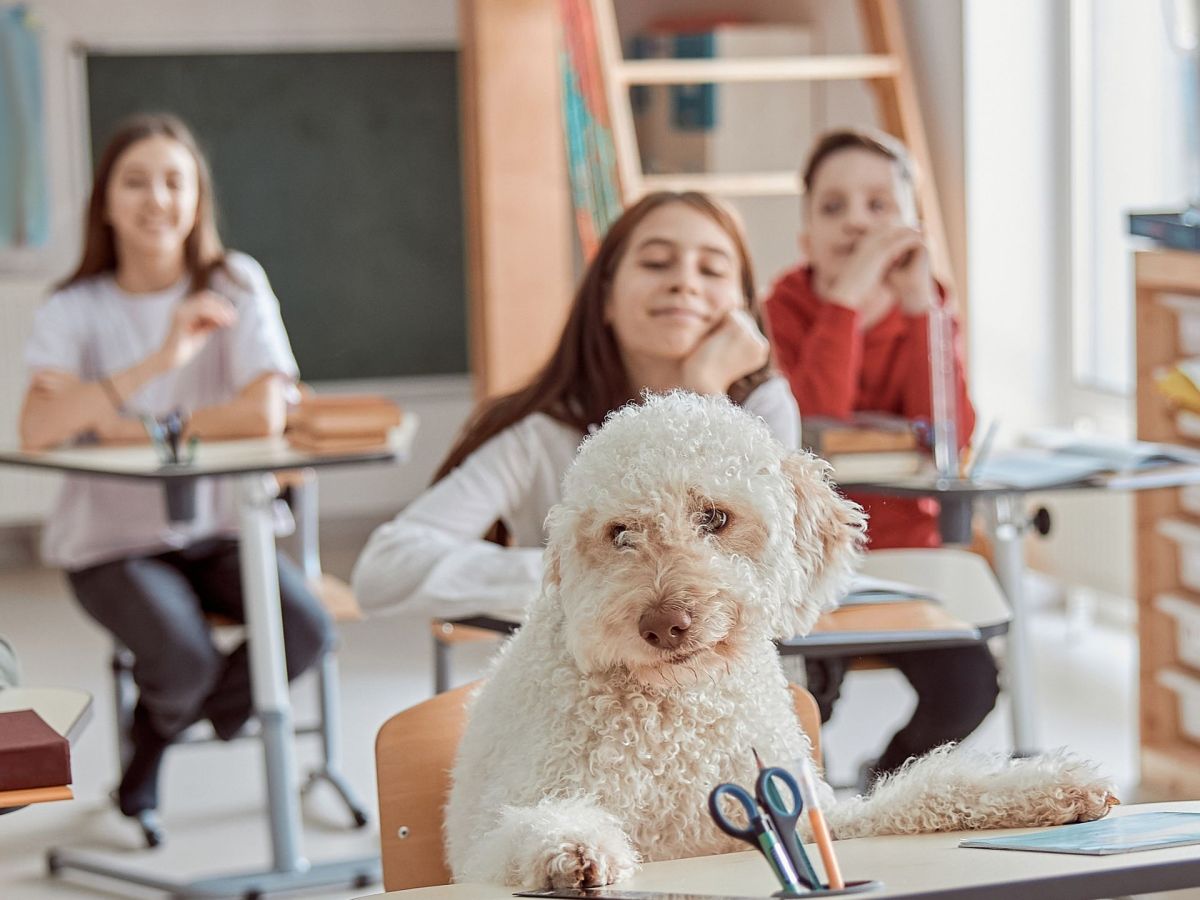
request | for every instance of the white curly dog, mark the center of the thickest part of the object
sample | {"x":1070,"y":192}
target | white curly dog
{"x":687,"y":541}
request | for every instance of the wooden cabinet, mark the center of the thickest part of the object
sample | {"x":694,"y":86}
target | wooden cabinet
{"x":1170,"y":758}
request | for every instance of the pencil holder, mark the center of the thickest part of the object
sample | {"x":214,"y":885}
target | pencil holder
{"x":181,"y":499}
{"x":852,"y":887}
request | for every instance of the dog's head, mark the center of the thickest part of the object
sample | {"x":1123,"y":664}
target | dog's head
{"x":687,"y":535}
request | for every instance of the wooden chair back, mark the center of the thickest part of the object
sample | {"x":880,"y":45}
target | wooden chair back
{"x":414,"y":751}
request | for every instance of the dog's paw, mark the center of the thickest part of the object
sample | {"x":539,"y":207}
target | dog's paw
{"x":576,"y":865}
{"x":1090,"y":801}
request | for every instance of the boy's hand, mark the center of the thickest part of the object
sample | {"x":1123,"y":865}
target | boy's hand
{"x":912,"y":282}
{"x":875,"y":255}
{"x":732,"y":350}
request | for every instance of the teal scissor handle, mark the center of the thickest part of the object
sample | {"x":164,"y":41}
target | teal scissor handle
{"x":784,"y":817}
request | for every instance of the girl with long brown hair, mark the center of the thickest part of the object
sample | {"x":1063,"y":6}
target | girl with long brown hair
{"x":159,"y":317}
{"x":668,"y":302}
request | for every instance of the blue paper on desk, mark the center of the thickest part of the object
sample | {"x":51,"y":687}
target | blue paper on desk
{"x":1104,"y":837}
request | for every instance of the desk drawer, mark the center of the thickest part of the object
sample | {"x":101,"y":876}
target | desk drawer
{"x":1187,"y":538}
{"x":1187,"y":689}
{"x":1186,"y":614}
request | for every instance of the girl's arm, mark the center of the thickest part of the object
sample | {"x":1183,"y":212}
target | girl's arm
{"x":58,"y":406}
{"x":772,"y":401}
{"x":819,"y":351}
{"x":431,"y":558}
{"x":259,"y":410}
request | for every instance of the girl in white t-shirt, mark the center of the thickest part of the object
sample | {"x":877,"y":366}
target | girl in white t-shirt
{"x":667,"y":302}
{"x":159,"y":317}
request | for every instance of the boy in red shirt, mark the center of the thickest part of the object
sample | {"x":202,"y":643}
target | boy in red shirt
{"x":850,"y":331}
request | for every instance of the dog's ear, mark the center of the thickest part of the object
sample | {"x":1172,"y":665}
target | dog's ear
{"x":552,"y":574}
{"x":830,"y":531}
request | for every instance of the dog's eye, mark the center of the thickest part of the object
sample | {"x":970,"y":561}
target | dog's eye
{"x":619,"y":535}
{"x":712,"y":520}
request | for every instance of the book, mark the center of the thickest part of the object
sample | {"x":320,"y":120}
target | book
{"x":866,"y":589}
{"x":892,"y":621}
{"x":345,"y":415}
{"x":1104,"y":837}
{"x":32,"y":754}
{"x":864,"y":432}
{"x":355,"y":443}
{"x":850,"y":467}
{"x":1063,"y":458}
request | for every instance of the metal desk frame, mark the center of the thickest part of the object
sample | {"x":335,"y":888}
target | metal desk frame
{"x":249,"y":462}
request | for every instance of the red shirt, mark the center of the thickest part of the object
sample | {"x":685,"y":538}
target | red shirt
{"x":835,"y":369}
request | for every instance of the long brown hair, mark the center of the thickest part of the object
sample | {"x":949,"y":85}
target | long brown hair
{"x":585,"y":378}
{"x":203,"y":252}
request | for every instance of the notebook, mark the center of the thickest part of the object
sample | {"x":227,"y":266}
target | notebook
{"x":1120,"y":834}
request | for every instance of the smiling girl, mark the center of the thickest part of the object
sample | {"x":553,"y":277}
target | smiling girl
{"x":159,"y":317}
{"x":667,"y":302}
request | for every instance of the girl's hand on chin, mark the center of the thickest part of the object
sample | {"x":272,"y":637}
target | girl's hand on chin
{"x":196,"y":319}
{"x":732,"y":350}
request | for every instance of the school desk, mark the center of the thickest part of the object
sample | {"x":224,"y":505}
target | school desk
{"x":250,"y":462}
{"x":960,"y":581}
{"x":67,"y":711}
{"x":1008,"y":523}
{"x":926,"y":866}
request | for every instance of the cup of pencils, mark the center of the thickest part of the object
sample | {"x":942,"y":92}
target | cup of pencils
{"x":166,"y":435}
{"x":771,"y":816}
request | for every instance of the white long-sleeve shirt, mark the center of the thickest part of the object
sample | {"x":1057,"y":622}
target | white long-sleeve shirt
{"x":432,"y":559}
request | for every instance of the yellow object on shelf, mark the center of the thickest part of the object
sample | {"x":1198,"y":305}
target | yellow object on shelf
{"x":1179,"y":387}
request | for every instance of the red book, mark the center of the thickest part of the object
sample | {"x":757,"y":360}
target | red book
{"x":32,"y":754}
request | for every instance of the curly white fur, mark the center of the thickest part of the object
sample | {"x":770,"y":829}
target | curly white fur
{"x":594,"y":743}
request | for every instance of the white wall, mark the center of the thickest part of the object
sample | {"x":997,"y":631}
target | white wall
{"x":1017,"y":181}
{"x":212,"y":25}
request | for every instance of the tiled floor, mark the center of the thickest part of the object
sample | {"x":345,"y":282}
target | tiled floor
{"x":213,"y":793}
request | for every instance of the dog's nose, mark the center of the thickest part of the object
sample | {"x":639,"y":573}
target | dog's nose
{"x":664,"y":627}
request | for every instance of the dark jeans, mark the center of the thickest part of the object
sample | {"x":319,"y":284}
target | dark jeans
{"x":956,"y":689}
{"x":155,"y":605}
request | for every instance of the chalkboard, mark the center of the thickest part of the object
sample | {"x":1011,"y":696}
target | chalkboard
{"x":339,"y":172}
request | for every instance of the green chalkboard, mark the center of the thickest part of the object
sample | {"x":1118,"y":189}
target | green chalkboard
{"x":339,"y":172}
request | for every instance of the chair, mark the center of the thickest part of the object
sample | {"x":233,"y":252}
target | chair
{"x":413,"y":753}
{"x":338,"y":600}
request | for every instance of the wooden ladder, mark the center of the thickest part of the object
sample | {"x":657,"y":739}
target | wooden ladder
{"x":886,"y":67}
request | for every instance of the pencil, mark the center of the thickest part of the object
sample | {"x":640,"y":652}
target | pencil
{"x":803,"y":866}
{"x":819,"y":828}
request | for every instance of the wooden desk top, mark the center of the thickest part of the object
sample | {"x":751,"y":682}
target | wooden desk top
{"x":927,"y":866}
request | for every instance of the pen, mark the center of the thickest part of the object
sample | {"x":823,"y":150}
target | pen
{"x":808,"y":793}
{"x":985,"y":447}
{"x":804,"y":868}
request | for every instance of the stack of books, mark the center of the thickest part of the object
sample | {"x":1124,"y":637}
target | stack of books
{"x":342,"y":423}
{"x":866,"y":447}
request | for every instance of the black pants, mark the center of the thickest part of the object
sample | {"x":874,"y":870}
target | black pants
{"x":156,"y":606}
{"x":956,"y":689}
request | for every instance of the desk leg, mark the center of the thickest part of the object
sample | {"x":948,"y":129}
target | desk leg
{"x":268,"y":672}
{"x":1008,"y":529}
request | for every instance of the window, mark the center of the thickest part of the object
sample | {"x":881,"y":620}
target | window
{"x":1128,"y":148}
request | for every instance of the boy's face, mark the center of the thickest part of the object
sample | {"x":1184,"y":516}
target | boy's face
{"x":854,"y":192}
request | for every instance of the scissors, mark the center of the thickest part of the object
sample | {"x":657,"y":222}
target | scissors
{"x":774,"y":836}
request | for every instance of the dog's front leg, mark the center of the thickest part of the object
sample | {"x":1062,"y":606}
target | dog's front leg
{"x":951,"y":789}
{"x":558,"y":843}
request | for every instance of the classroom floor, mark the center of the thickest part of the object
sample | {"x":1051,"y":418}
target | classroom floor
{"x":212,"y":794}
